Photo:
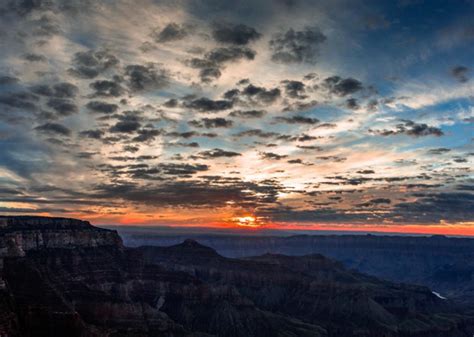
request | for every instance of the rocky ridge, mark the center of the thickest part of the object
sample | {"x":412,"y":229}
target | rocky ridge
{"x":65,"y":277}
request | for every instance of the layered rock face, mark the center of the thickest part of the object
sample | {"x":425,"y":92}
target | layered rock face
{"x":24,"y":233}
{"x":446,"y":265}
{"x":64,"y":277}
{"x":319,"y":291}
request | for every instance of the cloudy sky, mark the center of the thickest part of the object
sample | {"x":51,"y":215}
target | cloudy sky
{"x":280,"y":114}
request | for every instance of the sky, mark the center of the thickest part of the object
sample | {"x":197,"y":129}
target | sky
{"x":283,"y":114}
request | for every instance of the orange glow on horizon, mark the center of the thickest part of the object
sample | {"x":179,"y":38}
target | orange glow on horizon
{"x":246,"y":221}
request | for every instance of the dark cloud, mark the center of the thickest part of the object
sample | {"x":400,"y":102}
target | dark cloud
{"x":255,"y":94}
{"x":460,"y":73}
{"x":207,"y":75}
{"x":295,"y":89}
{"x":366,"y":172}
{"x":94,"y":134}
{"x":411,"y":128}
{"x":297,"y":46}
{"x":145,"y":77}
{"x":171,"y":103}
{"x":248,"y":113}
{"x":342,"y":86}
{"x":375,"y":202}
{"x":272,"y":156}
{"x":102,"y":107}
{"x":298,"y":120}
{"x":212,"y":191}
{"x":91,"y":63}
{"x":208,"y":105}
{"x":217,"y":153}
{"x":54,"y":129}
{"x":8,"y":80}
{"x":148,"y":134}
{"x":191,"y":145}
{"x":430,"y":208}
{"x":212,"y":123}
{"x":20,"y":100}
{"x":351,"y":103}
{"x":63,"y":107}
{"x":59,"y":90}
{"x":230,"y":54}
{"x":30,"y":57}
{"x":301,"y":106}
{"x":24,"y":7}
{"x":182,"y":169}
{"x":107,"y":88}
{"x":213,"y":62}
{"x":172,"y":32}
{"x":257,"y":133}
{"x":335,"y":159}
{"x":295,"y":161}
{"x":186,"y":135}
{"x":128,"y":123}
{"x":237,"y":34}
{"x":438,"y":151}
{"x":310,"y":147}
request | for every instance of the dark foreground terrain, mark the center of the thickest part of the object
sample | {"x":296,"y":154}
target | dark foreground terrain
{"x":444,"y":264}
{"x":63,"y":277}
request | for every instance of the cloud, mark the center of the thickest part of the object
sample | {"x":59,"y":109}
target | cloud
{"x":257,"y":133}
{"x":375,"y":202}
{"x":248,"y":113}
{"x":215,"y":60}
{"x":295,"y":89}
{"x":59,"y":90}
{"x":210,"y":123}
{"x":8,"y":80}
{"x":298,"y":120}
{"x":54,"y":129}
{"x":219,"y":191}
{"x":145,"y":77}
{"x":237,"y":34}
{"x":102,"y":107}
{"x":208,"y":105}
{"x":352,"y":103}
{"x":171,"y":32}
{"x":411,"y":128}
{"x":31,"y":57}
{"x":297,"y":46}
{"x":94,"y":134}
{"x":129,"y":123}
{"x":106,"y":88}
{"x":255,"y":94}
{"x":63,"y":107}
{"x":91,"y":63}
{"x":19,"y":100}
{"x":342,"y":86}
{"x":438,"y":151}
{"x":460,"y":73}
{"x":272,"y":156}
{"x":217,"y":153}
{"x":145,"y":135}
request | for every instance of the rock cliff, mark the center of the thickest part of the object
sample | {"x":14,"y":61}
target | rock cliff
{"x":65,"y":277}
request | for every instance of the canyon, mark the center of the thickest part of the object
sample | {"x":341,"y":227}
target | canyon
{"x":65,"y":277}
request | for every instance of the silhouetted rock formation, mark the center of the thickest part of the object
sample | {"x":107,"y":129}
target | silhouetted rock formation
{"x":446,"y":265}
{"x":64,"y":277}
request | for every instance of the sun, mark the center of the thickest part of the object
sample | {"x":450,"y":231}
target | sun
{"x":246,"y":221}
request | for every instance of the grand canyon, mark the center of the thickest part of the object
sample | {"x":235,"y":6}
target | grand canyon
{"x":65,"y":277}
{"x":250,"y":168}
